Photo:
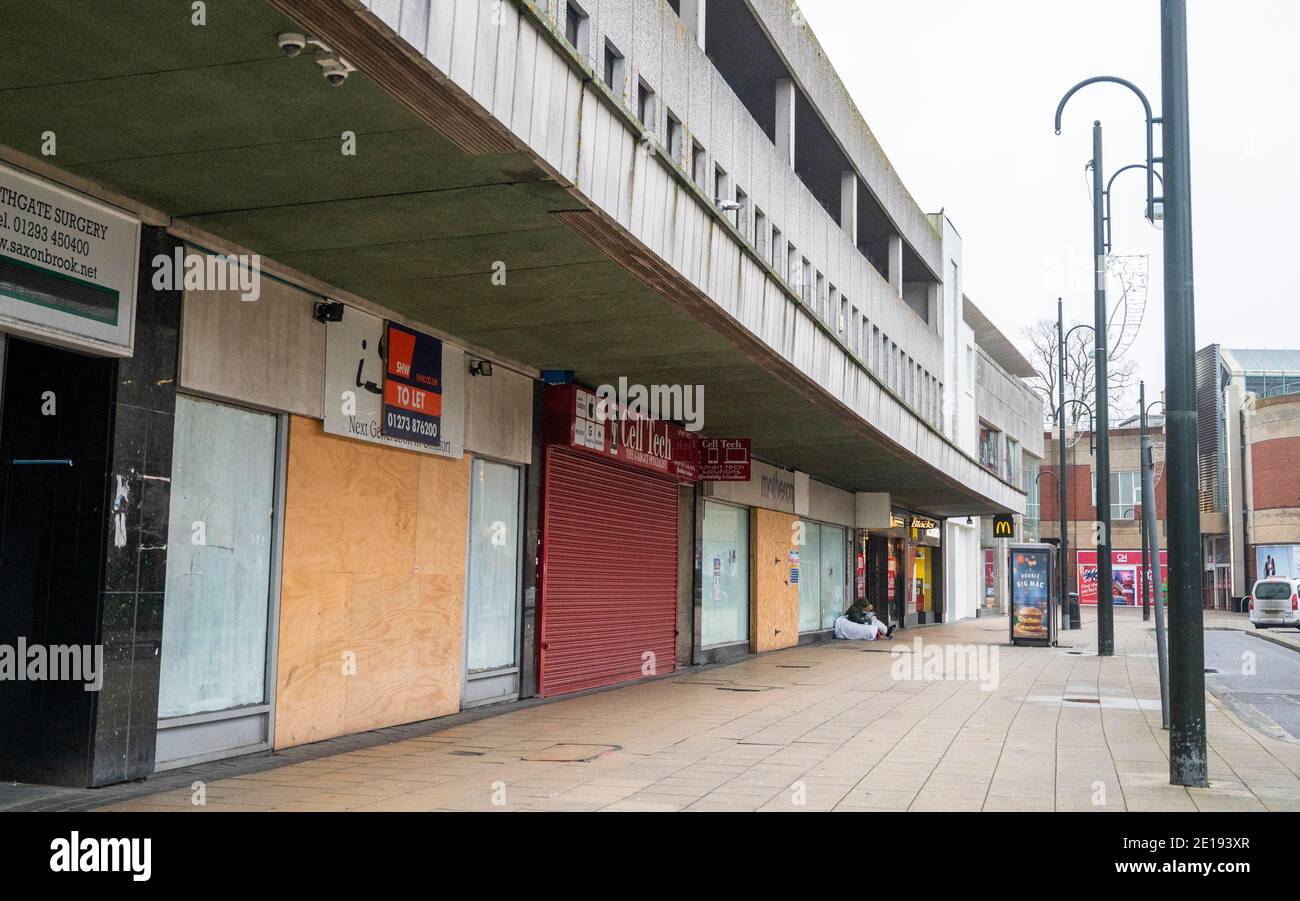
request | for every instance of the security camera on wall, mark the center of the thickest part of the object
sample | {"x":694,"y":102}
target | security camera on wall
{"x":334,"y":68}
{"x":292,"y":43}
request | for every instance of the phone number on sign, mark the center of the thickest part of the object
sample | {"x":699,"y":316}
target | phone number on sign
{"x":403,"y":423}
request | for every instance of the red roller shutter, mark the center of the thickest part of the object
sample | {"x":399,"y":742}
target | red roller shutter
{"x":609,"y":573}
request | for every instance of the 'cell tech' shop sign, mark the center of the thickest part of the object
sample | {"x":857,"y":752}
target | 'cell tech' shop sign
{"x":578,"y":418}
{"x":68,"y":266}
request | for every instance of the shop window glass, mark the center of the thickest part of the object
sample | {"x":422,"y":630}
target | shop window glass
{"x":821,"y":577}
{"x":725,"y":574}
{"x":810,"y":583}
{"x":923,"y":579}
{"x":218,"y":559}
{"x":492,"y":585}
{"x":832,"y":575}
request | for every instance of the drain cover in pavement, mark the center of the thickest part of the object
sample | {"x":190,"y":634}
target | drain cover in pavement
{"x":726,"y":684}
{"x":1106,"y":703}
{"x":467,"y":753}
{"x":563,"y":753}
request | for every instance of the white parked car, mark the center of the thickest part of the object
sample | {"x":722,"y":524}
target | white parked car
{"x":1275,"y":601}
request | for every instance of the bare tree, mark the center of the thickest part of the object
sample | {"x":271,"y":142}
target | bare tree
{"x":1081,"y":374}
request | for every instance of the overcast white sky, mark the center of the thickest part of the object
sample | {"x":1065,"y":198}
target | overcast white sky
{"x":961,"y":96}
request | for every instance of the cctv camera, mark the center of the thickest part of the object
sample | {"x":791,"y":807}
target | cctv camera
{"x":292,"y":43}
{"x":334,"y":69}
{"x":328,"y":311}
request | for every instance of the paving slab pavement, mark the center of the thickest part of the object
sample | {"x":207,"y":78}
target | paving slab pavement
{"x":845,"y":726}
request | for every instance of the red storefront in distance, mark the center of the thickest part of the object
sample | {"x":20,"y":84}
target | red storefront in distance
{"x":1124,"y":568}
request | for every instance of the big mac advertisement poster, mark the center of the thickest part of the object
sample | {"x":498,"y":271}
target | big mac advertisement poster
{"x":1029,"y":596}
{"x":413,"y":386}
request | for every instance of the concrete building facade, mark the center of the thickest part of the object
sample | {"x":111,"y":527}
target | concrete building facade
{"x":1006,"y":434}
{"x":1246,"y":410}
{"x":1271,"y":488}
{"x":350,"y":278}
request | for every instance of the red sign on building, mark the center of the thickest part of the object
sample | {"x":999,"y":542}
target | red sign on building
{"x":577,"y":418}
{"x":1124,"y":576}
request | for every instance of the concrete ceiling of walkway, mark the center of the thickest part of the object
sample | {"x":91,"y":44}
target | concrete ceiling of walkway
{"x":213,"y":125}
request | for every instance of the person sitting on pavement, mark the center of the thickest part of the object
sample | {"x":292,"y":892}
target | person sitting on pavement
{"x":860,"y":623}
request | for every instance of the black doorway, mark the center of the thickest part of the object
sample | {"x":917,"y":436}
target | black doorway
{"x":55,"y":425}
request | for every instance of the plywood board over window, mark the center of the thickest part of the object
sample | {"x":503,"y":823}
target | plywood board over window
{"x":773,"y":596}
{"x":373,"y":582}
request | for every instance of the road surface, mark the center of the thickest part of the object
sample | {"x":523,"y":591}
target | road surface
{"x":1273,"y":688}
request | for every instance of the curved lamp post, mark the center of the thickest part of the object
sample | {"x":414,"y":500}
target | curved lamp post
{"x":1188,"y":758}
{"x":1157,"y":205}
{"x":1105,"y":615}
{"x":1151,"y":122}
{"x":1058,"y":414}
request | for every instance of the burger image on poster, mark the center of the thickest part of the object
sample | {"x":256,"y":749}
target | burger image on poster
{"x":1029,"y":620}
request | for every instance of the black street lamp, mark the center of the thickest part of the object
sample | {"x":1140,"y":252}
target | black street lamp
{"x":1188,"y":764}
{"x":1157,"y":206}
{"x":1106,"y":615}
{"x":1188,"y":760}
{"x":1059,"y":416}
{"x":1151,"y":550}
{"x":1062,"y":600}
{"x":1150,"y":538}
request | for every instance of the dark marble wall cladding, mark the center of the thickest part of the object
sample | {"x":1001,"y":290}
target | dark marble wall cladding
{"x":532,"y":536}
{"x":135,"y":552}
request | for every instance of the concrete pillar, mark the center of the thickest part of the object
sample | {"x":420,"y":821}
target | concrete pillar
{"x":896,"y":264}
{"x":849,"y":205}
{"x":693,"y":16}
{"x":785,"y":120}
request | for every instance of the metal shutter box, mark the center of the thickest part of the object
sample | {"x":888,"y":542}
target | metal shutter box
{"x":609,"y":573}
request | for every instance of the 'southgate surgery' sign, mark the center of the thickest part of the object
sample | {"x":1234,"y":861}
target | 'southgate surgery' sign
{"x":68,"y":266}
{"x":413,"y":386}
